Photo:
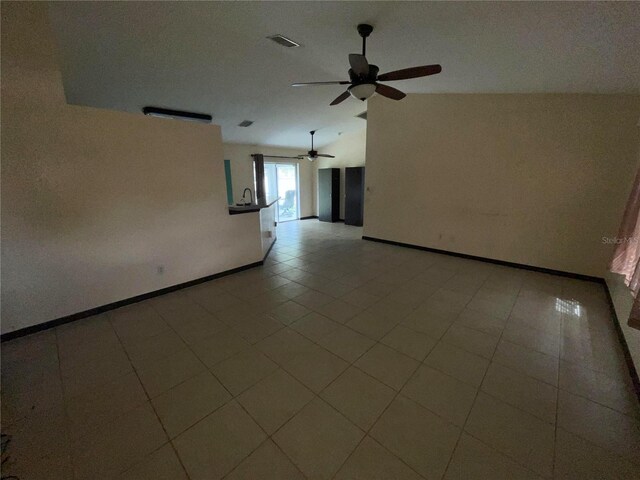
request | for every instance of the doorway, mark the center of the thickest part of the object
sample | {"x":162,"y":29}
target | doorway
{"x":281,"y":180}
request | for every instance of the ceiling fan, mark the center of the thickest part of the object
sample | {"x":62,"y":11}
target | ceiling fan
{"x":364,"y":77}
{"x":313,"y":154}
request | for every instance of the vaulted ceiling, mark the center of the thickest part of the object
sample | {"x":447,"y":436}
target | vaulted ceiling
{"x":214,"y":57}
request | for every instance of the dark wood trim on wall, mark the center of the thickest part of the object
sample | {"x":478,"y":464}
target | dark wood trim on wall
{"x":269,"y":251}
{"x":623,"y":343}
{"x":128,"y":301}
{"x":550,"y":271}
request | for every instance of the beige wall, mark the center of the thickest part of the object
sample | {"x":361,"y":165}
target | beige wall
{"x":349,"y":151}
{"x":242,"y":171}
{"x":622,"y":301}
{"x":94,"y":201}
{"x":531,"y":179}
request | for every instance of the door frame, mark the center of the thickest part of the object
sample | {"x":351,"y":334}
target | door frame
{"x":297,"y":177}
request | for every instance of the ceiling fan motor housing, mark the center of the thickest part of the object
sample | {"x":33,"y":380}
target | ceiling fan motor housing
{"x":364,"y":30}
{"x":371,"y":76}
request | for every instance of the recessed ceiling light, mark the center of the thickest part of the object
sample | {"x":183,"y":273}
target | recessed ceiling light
{"x":176,"y":114}
{"x":284,"y":41}
{"x":245,"y":123}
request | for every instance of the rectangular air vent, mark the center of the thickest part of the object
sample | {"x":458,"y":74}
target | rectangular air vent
{"x":284,"y":41}
{"x":245,"y":123}
{"x":363,"y":115}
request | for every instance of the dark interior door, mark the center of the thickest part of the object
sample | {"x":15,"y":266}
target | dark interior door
{"x":327,"y":181}
{"x":354,"y":196}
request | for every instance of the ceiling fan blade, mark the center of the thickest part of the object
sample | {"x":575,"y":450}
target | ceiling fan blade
{"x":359,"y":64}
{"x":413,"y":72}
{"x":325,"y":155}
{"x":320,"y":83}
{"x":390,"y":92}
{"x":341,"y":98}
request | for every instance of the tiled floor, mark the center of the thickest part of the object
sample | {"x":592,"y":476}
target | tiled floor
{"x":340,"y":358}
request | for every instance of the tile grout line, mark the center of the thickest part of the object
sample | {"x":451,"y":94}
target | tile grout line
{"x":86,"y":392}
{"x":524,"y":373}
{"x":317,"y":395}
{"x":635,"y":420}
{"x":233,"y":398}
{"x":510,"y":368}
{"x":366,"y":432}
{"x":558,"y":390}
{"x":520,"y":409}
{"x":462,"y":429}
{"x":169,"y":440}
{"x":555,"y":427}
{"x":397,"y":393}
{"x":72,"y":455}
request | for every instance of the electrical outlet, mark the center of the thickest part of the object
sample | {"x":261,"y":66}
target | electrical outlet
{"x":160,"y":269}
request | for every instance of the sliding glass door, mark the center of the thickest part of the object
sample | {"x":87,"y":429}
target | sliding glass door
{"x":281,"y":180}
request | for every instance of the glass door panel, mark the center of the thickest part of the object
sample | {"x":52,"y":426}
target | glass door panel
{"x":270,"y":182}
{"x":287,"y":191}
{"x":281,"y":180}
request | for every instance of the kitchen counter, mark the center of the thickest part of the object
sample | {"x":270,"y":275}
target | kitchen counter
{"x":254,"y":207}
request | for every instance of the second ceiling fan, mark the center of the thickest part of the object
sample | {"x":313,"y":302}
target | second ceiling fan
{"x":312,"y":154}
{"x":364,"y":78}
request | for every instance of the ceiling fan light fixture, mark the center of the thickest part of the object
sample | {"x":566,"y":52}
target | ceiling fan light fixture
{"x":362,"y":91}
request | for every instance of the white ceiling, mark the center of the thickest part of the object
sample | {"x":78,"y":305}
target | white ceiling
{"x":213,"y":57}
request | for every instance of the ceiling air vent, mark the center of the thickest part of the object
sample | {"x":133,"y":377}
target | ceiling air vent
{"x":363,"y":115}
{"x":245,"y":123}
{"x":284,"y":41}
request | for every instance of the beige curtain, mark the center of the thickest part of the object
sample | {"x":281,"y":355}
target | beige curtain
{"x":626,"y":259}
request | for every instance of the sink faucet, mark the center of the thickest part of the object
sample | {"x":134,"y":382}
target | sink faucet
{"x":250,"y":194}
